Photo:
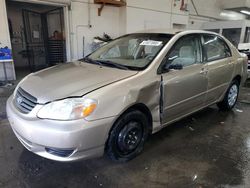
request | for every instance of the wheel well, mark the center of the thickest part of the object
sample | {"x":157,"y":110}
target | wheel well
{"x":238,"y":78}
{"x":144,"y":109}
{"x":141,"y":107}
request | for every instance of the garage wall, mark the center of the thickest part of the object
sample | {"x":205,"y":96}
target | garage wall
{"x":108,"y":22}
{"x":206,"y":8}
{"x":5,"y":40}
{"x":4,"y":31}
{"x":137,"y":15}
{"x":196,"y":22}
{"x":147,"y":14}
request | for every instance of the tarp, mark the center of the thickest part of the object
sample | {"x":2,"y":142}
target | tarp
{"x":5,"y":53}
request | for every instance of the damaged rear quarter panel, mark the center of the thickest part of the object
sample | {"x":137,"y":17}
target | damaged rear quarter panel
{"x":116,"y":98}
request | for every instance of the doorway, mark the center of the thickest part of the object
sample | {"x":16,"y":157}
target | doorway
{"x":37,"y":36}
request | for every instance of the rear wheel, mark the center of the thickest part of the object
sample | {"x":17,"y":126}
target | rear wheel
{"x":230,"y":97}
{"x":127,"y":138}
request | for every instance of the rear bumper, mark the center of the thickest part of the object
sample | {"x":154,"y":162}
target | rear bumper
{"x":80,"y":138}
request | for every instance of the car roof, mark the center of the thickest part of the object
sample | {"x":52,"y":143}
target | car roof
{"x":175,"y":31}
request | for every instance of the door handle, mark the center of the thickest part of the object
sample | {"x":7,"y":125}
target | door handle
{"x":203,"y":71}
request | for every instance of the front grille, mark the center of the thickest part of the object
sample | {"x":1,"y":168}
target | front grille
{"x":24,"y":101}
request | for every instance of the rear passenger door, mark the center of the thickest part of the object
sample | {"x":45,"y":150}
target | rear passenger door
{"x":219,"y":64}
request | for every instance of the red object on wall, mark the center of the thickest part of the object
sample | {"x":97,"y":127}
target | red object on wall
{"x":183,"y":7}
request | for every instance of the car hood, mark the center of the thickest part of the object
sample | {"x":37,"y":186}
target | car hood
{"x":71,"y":79}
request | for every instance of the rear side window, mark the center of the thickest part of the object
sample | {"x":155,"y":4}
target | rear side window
{"x":215,"y":48}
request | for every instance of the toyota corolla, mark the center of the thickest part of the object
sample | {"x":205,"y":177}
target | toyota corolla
{"x":110,"y":101}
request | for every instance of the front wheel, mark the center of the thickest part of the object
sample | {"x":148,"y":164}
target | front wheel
{"x":230,"y":97}
{"x":127,"y":137}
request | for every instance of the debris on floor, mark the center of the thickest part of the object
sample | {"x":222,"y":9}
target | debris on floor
{"x":238,"y":110}
{"x":6,"y":84}
{"x":195,"y":177}
{"x":191,"y":128}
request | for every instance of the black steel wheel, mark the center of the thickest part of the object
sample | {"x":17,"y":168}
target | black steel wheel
{"x":127,"y":137}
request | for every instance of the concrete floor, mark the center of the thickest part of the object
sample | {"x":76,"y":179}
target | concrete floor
{"x":209,"y":149}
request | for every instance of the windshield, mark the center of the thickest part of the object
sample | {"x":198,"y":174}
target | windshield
{"x":133,"y":51}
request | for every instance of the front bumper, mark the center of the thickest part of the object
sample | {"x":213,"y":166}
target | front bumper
{"x":86,"y":139}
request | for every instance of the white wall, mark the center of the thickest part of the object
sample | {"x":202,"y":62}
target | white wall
{"x":5,"y":40}
{"x":148,"y":14}
{"x":227,"y":4}
{"x":141,"y":19}
{"x":108,"y":22}
{"x":4,"y":31}
{"x":137,"y":15}
{"x":206,"y":8}
{"x":196,"y":22}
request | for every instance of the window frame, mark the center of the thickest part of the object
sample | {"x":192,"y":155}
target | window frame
{"x":161,"y":70}
{"x":205,"y":52}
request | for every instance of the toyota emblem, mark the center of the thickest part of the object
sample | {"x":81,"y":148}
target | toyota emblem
{"x":19,"y":100}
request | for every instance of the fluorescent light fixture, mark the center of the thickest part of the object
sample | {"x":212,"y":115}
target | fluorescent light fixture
{"x":245,"y":12}
{"x":229,"y":14}
{"x":232,"y":15}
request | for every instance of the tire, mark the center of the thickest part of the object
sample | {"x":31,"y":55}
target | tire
{"x":127,"y":137}
{"x":230,"y":97}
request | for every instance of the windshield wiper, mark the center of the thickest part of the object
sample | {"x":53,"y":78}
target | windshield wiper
{"x":105,"y":62}
{"x":89,"y":60}
{"x":113,"y":64}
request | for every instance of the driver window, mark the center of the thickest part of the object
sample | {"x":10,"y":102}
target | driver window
{"x":186,"y":52}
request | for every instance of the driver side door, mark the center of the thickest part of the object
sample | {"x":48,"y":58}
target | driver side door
{"x":184,"y":83}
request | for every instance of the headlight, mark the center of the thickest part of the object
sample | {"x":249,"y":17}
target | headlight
{"x":68,"y":109}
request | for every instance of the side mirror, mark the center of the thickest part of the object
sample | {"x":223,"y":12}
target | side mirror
{"x":176,"y":66}
{"x":167,"y":67}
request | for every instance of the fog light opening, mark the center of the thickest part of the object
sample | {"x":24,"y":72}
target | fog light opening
{"x":60,"y":152}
